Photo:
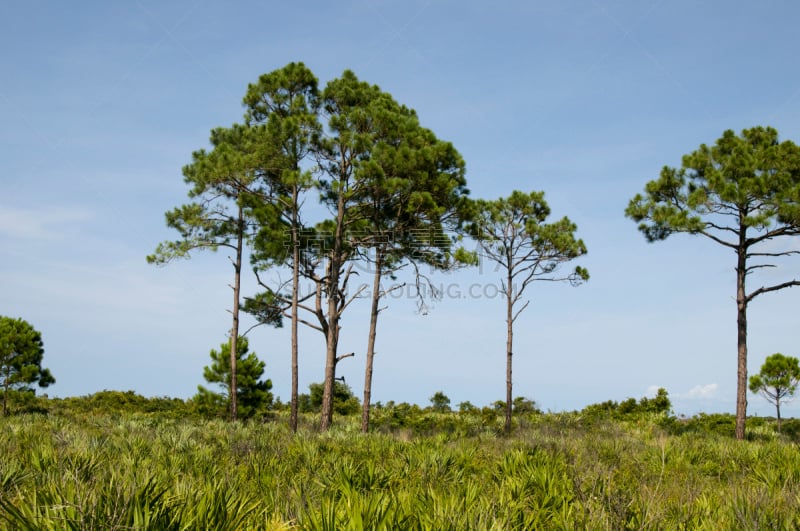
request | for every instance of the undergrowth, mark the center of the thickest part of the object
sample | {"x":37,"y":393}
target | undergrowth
{"x":556,"y":471}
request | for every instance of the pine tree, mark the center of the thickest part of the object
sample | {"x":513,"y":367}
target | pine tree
{"x":253,"y":393}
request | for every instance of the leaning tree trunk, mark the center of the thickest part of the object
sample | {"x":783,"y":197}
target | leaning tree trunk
{"x":741,"y":325}
{"x":373,"y":326}
{"x":509,"y":350}
{"x":237,"y":266}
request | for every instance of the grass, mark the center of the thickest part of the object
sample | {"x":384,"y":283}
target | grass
{"x":557,"y":471}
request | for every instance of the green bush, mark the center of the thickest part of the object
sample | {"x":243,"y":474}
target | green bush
{"x":791,"y":429}
{"x":711,"y":424}
{"x":119,"y":403}
{"x":344,"y":401}
{"x":630,"y":408}
{"x":128,"y":471}
{"x":26,"y":401}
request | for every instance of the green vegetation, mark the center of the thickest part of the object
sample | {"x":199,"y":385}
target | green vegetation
{"x":393,"y":189}
{"x":85,"y":465}
{"x":440,"y":402}
{"x":777,"y":381}
{"x":658,"y":404}
{"x":512,"y":232}
{"x":741,"y":193}
{"x":21,"y":352}
{"x":396,"y":197}
{"x":218,"y":219}
{"x":344,"y":401}
{"x":253,"y":393}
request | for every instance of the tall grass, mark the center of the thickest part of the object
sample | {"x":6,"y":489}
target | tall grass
{"x":557,"y":471}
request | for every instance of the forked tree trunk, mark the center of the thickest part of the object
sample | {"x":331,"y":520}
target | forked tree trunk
{"x":373,"y":326}
{"x":334,"y":268}
{"x":237,"y":266}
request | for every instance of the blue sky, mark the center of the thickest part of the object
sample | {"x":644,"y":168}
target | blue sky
{"x":102,"y":104}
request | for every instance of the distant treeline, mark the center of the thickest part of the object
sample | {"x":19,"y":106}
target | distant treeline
{"x":394,"y":417}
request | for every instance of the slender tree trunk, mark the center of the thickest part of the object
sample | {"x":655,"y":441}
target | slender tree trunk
{"x":5,"y":395}
{"x":373,"y":326}
{"x":295,"y":296}
{"x":237,"y":266}
{"x":509,"y":349}
{"x":778,"y":409}
{"x":741,"y":324}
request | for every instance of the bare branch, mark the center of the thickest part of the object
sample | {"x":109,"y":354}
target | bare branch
{"x":785,"y":230}
{"x":514,"y":318}
{"x":351,"y":299}
{"x":777,"y":287}
{"x":718,"y":240}
{"x":322,"y":327}
{"x":393,"y":288}
{"x":343,"y":356}
{"x":311,"y":325}
{"x":773,"y":255}
{"x":720,"y":227}
{"x":759,"y":266}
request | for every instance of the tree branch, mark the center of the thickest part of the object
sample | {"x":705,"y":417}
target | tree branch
{"x":780,"y":231}
{"x":785,"y":253}
{"x":514,"y":318}
{"x":718,"y":240}
{"x":777,"y":287}
{"x":343,"y":356}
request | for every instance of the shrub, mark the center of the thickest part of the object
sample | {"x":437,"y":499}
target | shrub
{"x":629,"y":408}
{"x":440,"y":402}
{"x":344,"y":401}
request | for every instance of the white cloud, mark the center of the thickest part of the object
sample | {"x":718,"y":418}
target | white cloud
{"x":42,"y":223}
{"x":701,"y":392}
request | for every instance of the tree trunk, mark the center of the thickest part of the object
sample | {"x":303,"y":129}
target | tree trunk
{"x":509,"y":350}
{"x":373,"y":326}
{"x":778,"y":410}
{"x":333,"y":295}
{"x":237,"y":266}
{"x":741,"y":324}
{"x":5,"y":395}
{"x":295,"y":296}
{"x":326,"y":418}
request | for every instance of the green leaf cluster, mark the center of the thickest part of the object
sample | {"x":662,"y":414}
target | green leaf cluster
{"x":253,"y":393}
{"x":21,"y":353}
{"x":440,"y":402}
{"x":778,"y":379}
{"x":659,"y":404}
{"x":514,"y":232}
{"x":344,"y":401}
{"x":221,"y":181}
{"x":744,"y":181}
{"x":400,"y":184}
